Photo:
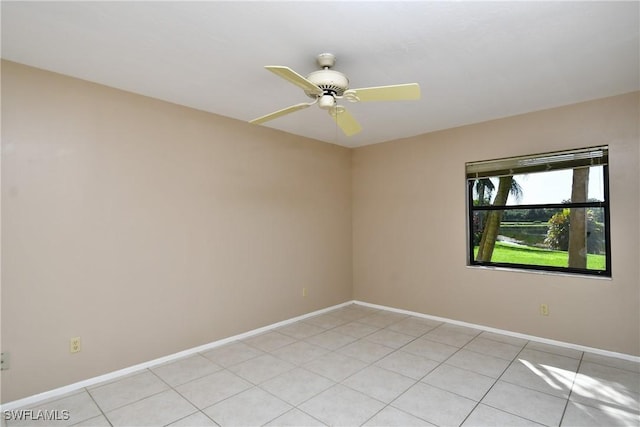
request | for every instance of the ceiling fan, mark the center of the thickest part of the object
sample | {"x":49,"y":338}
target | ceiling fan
{"x":327,"y":86}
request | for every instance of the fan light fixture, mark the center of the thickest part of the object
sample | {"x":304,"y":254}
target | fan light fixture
{"x":326,"y":102}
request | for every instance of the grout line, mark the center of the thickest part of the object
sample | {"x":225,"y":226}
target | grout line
{"x":418,"y":381}
{"x":537,"y":390}
{"x":193,"y":404}
{"x":566,"y":405}
{"x":141,"y":398}
{"x":190,"y":415}
{"x":494,"y":383}
{"x":98,"y":406}
{"x":180,"y":394}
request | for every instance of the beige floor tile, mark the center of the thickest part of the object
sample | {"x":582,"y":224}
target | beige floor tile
{"x":67,"y":410}
{"x":414,"y":326}
{"x":197,"y":419}
{"x":449,"y":336}
{"x":127,"y":390}
{"x":269,"y":341}
{"x":578,"y":414}
{"x":331,"y":340}
{"x":542,"y":377}
{"x":477,"y":362}
{"x":341,"y":406}
{"x":507,"y":339}
{"x":261,"y":369}
{"x":351,"y":313}
{"x":300,"y":330}
{"x":554,"y":349}
{"x":295,"y":418}
{"x":379,"y":383}
{"x":296,"y":386}
{"x":390,"y":338}
{"x":612,"y":377}
{"x":526,"y":403}
{"x":253,"y":407}
{"x":213,"y":388}
{"x":543,"y":358}
{"x":232,"y":354}
{"x":99,"y":421}
{"x":335,"y":366}
{"x":356,"y":329}
{"x":300,"y":352}
{"x":157,"y":410}
{"x":365,"y":351}
{"x":493,"y":348}
{"x":381,"y":319}
{"x":326,"y":321}
{"x":185,"y":370}
{"x":459,"y":381}
{"x":434,"y":405}
{"x":612,"y":361}
{"x":391,"y":416}
{"x":407,"y":364}
{"x":450,"y":327}
{"x":599,"y":385}
{"x":486,"y":416}
{"x":430,"y":349}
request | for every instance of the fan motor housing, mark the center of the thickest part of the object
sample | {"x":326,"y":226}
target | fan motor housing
{"x":330,"y":81}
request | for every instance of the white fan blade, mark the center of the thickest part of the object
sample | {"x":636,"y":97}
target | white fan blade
{"x":279,"y":113}
{"x":295,"y":78}
{"x":345,"y":121}
{"x":403,"y":92}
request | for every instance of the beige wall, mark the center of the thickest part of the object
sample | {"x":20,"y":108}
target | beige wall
{"x":148,"y":228}
{"x":410,"y":238}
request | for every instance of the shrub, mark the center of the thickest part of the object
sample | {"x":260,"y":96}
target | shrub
{"x":558,"y":233}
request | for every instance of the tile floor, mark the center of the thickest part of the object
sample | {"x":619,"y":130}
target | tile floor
{"x":361,"y":366}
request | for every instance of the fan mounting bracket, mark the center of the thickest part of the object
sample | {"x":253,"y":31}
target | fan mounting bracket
{"x":326,"y":60}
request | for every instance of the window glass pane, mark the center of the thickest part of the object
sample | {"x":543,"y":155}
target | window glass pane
{"x":537,"y":188}
{"x":541,"y":237}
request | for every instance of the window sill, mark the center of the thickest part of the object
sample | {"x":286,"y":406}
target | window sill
{"x":540,"y":272}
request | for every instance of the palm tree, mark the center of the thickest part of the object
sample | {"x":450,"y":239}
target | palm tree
{"x":506,"y":185}
{"x":484,"y":186}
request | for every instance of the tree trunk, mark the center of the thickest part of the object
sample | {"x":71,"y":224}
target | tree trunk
{"x":578,"y":220}
{"x":492,"y":221}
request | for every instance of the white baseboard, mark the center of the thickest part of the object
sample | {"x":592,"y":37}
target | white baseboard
{"x":31,"y":400}
{"x":51,"y":394}
{"x":505,"y":332}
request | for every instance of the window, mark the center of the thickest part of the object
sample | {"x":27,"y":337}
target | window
{"x":541,"y":212}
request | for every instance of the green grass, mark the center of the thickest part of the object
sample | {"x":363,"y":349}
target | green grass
{"x":533,"y":224}
{"x":515,"y":254}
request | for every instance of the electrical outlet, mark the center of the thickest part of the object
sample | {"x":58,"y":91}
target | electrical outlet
{"x":4,"y":361}
{"x":544,"y":309}
{"x":304,"y":292}
{"x":74,"y":345}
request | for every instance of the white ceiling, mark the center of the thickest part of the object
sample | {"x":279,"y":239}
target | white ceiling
{"x":474,"y":61}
